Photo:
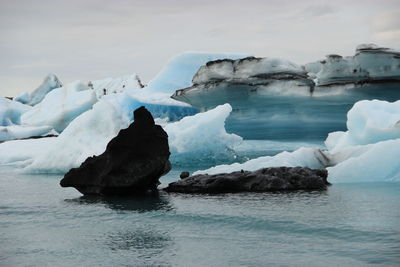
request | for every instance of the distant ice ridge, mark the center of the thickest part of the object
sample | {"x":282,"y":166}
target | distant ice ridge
{"x":50,"y":82}
{"x":367,"y":152}
{"x":371,"y":63}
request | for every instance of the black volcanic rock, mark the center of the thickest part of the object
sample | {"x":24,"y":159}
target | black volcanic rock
{"x":262,"y":180}
{"x":133,"y":162}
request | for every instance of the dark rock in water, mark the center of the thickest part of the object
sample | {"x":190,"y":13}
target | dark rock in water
{"x":184,"y":175}
{"x":266,"y":179}
{"x":133,"y":161}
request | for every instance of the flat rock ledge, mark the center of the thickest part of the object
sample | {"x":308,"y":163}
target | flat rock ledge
{"x":262,"y":180}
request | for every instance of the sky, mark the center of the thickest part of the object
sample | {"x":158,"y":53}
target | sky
{"x":94,"y":39}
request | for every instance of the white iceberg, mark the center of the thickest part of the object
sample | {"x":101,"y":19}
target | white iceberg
{"x":61,"y":106}
{"x":89,"y":133}
{"x":368,"y":122}
{"x":50,"y":82}
{"x":11,"y":111}
{"x":202,"y":135}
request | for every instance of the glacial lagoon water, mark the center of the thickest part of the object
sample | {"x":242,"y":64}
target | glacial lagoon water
{"x":42,"y":224}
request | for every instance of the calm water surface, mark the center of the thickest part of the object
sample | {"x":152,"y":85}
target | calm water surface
{"x":42,"y":224}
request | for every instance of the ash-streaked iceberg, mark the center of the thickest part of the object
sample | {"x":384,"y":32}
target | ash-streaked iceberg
{"x":370,"y":64}
{"x":50,"y":83}
{"x":367,"y":152}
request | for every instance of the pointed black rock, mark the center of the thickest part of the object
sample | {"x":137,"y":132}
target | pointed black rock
{"x":262,"y":180}
{"x":133,"y":162}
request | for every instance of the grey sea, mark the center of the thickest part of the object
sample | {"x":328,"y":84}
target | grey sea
{"x":42,"y":224}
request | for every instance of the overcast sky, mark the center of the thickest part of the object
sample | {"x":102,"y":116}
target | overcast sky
{"x":94,"y":39}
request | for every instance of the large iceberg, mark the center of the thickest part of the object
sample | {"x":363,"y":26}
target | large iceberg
{"x":61,"y":106}
{"x":50,"y":82}
{"x":368,"y":151}
{"x":275,"y":99}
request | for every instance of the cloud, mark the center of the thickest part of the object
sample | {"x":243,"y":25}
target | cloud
{"x":386,"y":27}
{"x":319,"y":10}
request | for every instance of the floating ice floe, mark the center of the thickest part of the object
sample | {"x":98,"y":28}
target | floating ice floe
{"x":202,"y":136}
{"x":50,"y":83}
{"x":367,"y":152}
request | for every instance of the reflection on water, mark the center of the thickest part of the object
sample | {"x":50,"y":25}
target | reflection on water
{"x":42,"y":224}
{"x":145,"y":203}
{"x":139,"y":239}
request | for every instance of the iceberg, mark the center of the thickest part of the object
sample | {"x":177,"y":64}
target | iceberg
{"x":202,"y":136}
{"x":50,"y":83}
{"x":179,"y":71}
{"x":368,"y":122}
{"x":89,"y":133}
{"x":60,"y":106}
{"x":11,"y":111}
{"x":367,"y":152}
{"x":370,"y":64}
{"x":275,"y":99}
{"x":115,"y":85}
